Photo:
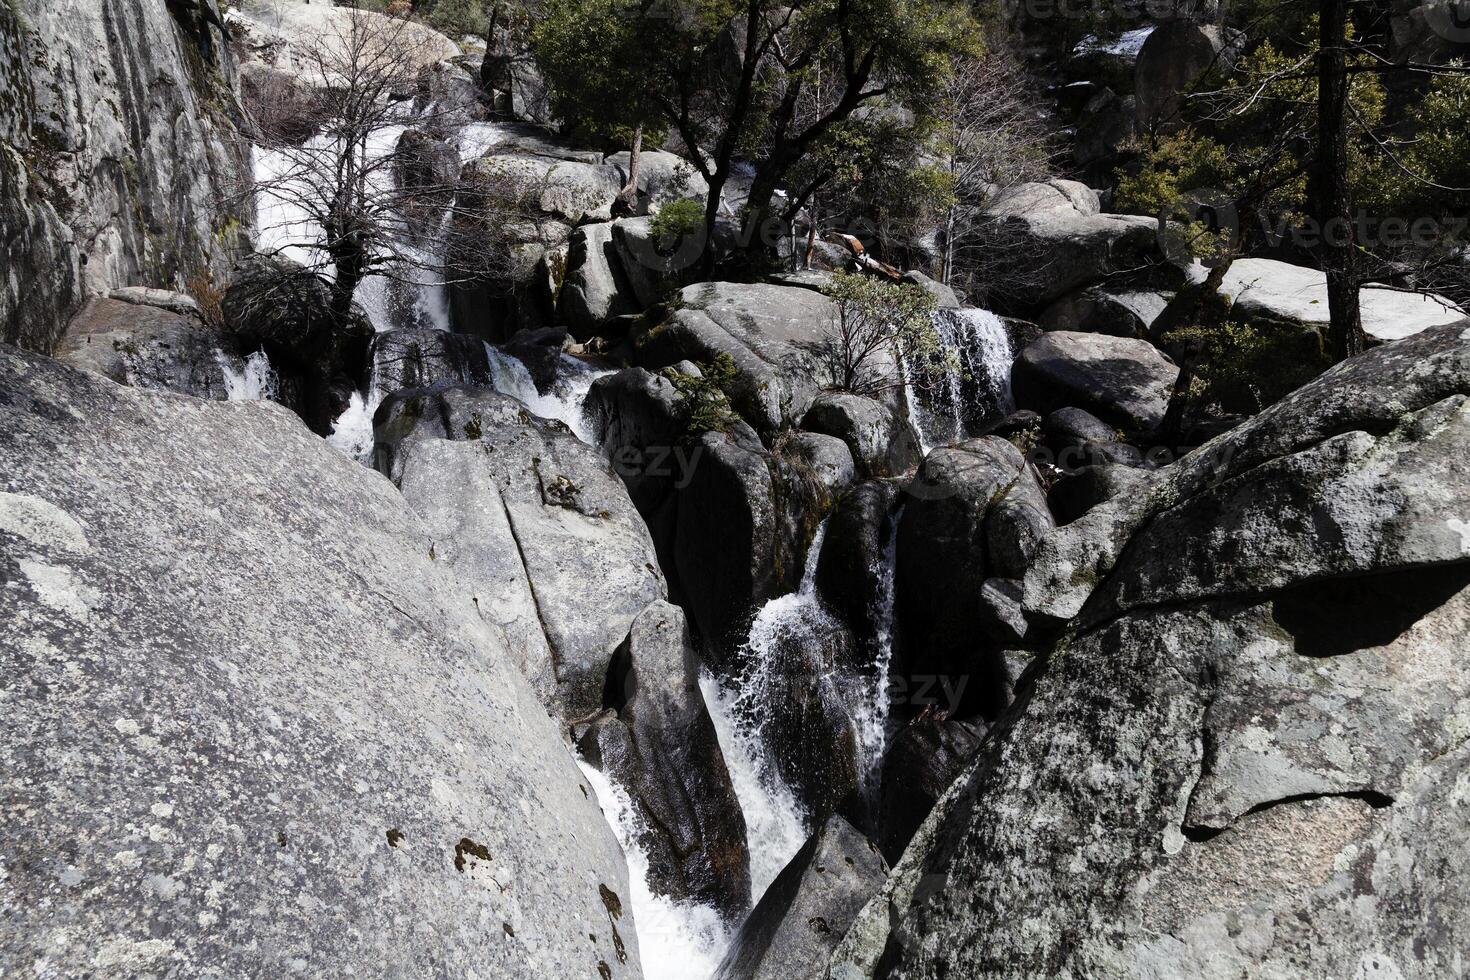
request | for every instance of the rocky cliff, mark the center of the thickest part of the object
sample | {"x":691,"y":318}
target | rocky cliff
{"x":119,"y":163}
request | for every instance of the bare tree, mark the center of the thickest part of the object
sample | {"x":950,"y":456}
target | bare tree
{"x":996,"y":137}
{"x":372,"y":193}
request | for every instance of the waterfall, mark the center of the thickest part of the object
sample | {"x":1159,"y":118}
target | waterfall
{"x":676,"y":941}
{"x":255,"y":381}
{"x":871,"y":714}
{"x":975,"y":388}
{"x":564,"y":402}
{"x":776,"y":824}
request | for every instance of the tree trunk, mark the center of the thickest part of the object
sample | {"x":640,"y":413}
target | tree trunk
{"x":627,"y":199}
{"x":1339,"y":258}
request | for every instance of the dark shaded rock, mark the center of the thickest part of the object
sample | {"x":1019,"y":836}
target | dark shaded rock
{"x":853,"y":570}
{"x":410,"y":358}
{"x":926,"y":757}
{"x":882,"y":442}
{"x":1085,"y":487}
{"x":825,"y":457}
{"x":1096,"y":310}
{"x":147,"y":347}
{"x":661,"y":747}
{"x":280,"y":307}
{"x":808,"y":908}
{"x":1175,"y":55}
{"x":973,"y":511}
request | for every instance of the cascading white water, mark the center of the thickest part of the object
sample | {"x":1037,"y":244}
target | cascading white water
{"x":254,"y":381}
{"x":976,"y":387}
{"x":871,"y":711}
{"x":566,"y":400}
{"x":676,"y":941}
{"x":776,"y":825}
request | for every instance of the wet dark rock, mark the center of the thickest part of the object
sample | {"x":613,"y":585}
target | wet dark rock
{"x":808,"y":908}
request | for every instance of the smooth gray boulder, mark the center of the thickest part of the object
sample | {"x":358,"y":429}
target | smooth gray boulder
{"x":807,"y":909}
{"x":1122,"y":381}
{"x":594,"y":289}
{"x":1052,"y":238}
{"x":253,"y":727}
{"x":1176,"y":55}
{"x":659,"y":744}
{"x":770,"y":333}
{"x":826,"y":458}
{"x":119,"y":157}
{"x":537,"y":526}
{"x":1098,"y":310}
{"x":150,"y":347}
{"x":883,"y":443}
{"x":1277,"y":292}
{"x":1252,"y":774}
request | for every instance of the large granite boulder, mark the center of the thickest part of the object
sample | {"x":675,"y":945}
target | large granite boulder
{"x":595,"y":289}
{"x":253,"y":727}
{"x":118,"y":156}
{"x":534,"y":523}
{"x":659,"y":744}
{"x":807,"y":909}
{"x":310,"y":40}
{"x":1176,"y":55}
{"x":1098,"y":310}
{"x":1277,"y":292}
{"x":770,"y":332}
{"x":1250,"y":770}
{"x":973,"y":511}
{"x":1052,"y":237}
{"x":147,"y":346}
{"x":882,"y":442}
{"x":1124,"y":382}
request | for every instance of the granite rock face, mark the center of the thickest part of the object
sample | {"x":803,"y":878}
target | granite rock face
{"x":1249,"y":772}
{"x":807,"y":909}
{"x":535,"y":523}
{"x":118,"y":155}
{"x":252,"y":726}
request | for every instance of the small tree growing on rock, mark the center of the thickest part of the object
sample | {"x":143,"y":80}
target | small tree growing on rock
{"x":882,"y":337}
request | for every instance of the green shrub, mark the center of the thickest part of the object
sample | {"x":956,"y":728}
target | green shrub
{"x":1243,"y":368}
{"x":675,"y":220}
{"x":707,"y":407}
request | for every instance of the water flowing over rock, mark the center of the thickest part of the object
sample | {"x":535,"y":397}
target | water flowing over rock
{"x":661,"y":747}
{"x":254,"y":726}
{"x":974,"y":388}
{"x":1249,"y":768}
